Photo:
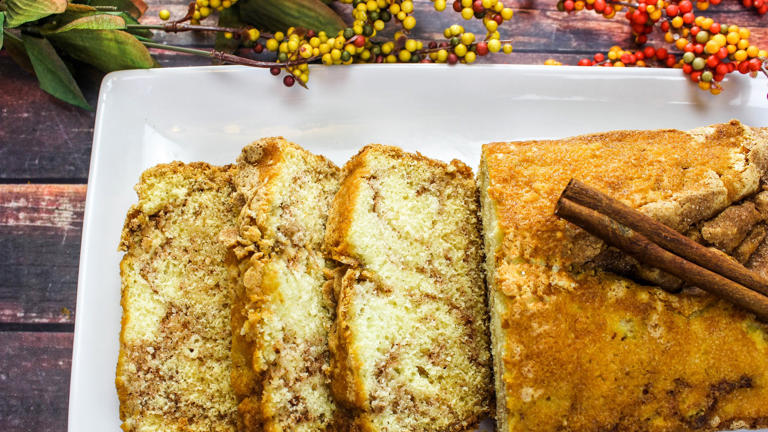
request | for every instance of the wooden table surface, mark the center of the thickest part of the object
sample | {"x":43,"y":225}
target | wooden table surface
{"x":45,"y":148}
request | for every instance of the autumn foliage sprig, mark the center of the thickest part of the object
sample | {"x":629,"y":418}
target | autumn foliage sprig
{"x":704,"y":49}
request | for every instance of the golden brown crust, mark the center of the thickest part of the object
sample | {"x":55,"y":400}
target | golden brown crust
{"x":151,"y":232}
{"x":582,"y":349}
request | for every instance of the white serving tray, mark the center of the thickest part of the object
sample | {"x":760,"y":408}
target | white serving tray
{"x":147,"y":117}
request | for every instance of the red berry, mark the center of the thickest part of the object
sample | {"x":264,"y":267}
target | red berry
{"x":498,"y":18}
{"x":754,"y":64}
{"x":642,"y":39}
{"x":670,"y":61}
{"x":743,"y":67}
{"x":665,"y":26}
{"x":258,"y":48}
{"x":687,"y":68}
{"x":600,"y":5}
{"x":685,"y":6}
{"x":477,"y":6}
{"x":688,"y":47}
{"x":722,"y":53}
{"x":695,"y":30}
{"x":359,"y":41}
{"x":457,"y":6}
{"x":715,"y":27}
{"x":452,"y":58}
{"x":426,"y":60}
{"x":688,"y":18}
{"x":712,"y":61}
{"x":661,"y":53}
{"x":585,"y":62}
{"x":759,"y":3}
{"x":311,"y":34}
{"x":289,"y":81}
{"x":719,"y":77}
{"x":696,"y":76}
{"x":568,"y":5}
{"x":731,"y":67}
{"x":274,"y":70}
{"x":672,"y":11}
{"x":698,"y":48}
{"x":608,"y":64}
{"x":722,"y":69}
{"x":432,"y":45}
{"x":482,"y":48}
{"x":747,"y":3}
{"x":599,"y":57}
{"x":649,"y":51}
{"x":641,"y":7}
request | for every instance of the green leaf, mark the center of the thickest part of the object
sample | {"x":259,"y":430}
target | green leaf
{"x":2,"y":19}
{"x":229,"y":17}
{"x":278,"y":15}
{"x":21,"y":11}
{"x":15,"y":49}
{"x":107,"y":50}
{"x":92,"y":22}
{"x":52,"y":73}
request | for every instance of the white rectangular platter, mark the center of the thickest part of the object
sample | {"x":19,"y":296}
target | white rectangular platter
{"x":189,"y":114}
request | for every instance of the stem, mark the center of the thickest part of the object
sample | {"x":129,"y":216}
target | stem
{"x":226,"y":57}
{"x":176,"y":27}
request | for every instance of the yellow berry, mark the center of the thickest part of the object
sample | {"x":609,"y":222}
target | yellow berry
{"x":279,"y":36}
{"x":619,"y":64}
{"x":733,"y":37}
{"x":327,"y":59}
{"x":226,"y":4}
{"x":204,"y":12}
{"x":702,"y":5}
{"x":655,"y":15}
{"x":391,"y":58}
{"x":704,"y":85}
{"x":409,"y":23}
{"x":467,"y":38}
{"x":404,"y":55}
{"x":164,"y":14}
{"x":439,"y":5}
{"x":371,"y":5}
{"x":762,"y":54}
{"x":498,"y":7}
{"x":743,"y":44}
{"x":491,"y":25}
{"x":365,"y":55}
{"x":394,"y":8}
{"x":507,"y":13}
{"x":470,"y":57}
{"x":335,"y":54}
{"x":744,"y":33}
{"x":494,"y":45}
{"x":669,"y":37}
{"x":715,"y":90}
{"x":681,"y":43}
{"x":442,"y":55}
{"x":305,"y":51}
{"x":293,"y":45}
{"x":740,"y":55}
{"x":677,"y":22}
{"x":719,"y":39}
{"x":272,"y":45}
{"x":460,"y":50}
{"x":579,"y":5}
{"x":410,"y":45}
{"x":456,"y":30}
{"x":304,"y":77}
{"x":215,"y":3}
{"x":487,"y":4}
{"x":339,"y":43}
{"x":467,"y":13}
{"x":466,"y":3}
{"x":350,"y":48}
{"x":699,"y":21}
{"x":406,"y":6}
{"x":731,"y":49}
{"x":752,"y":51}
{"x":357,"y":28}
{"x":228,"y":35}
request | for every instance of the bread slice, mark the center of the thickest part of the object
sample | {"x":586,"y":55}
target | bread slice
{"x":579,"y":348}
{"x":281,"y":313}
{"x":410,"y":345}
{"x":173,"y":367}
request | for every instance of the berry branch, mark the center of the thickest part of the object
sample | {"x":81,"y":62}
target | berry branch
{"x":704,"y":49}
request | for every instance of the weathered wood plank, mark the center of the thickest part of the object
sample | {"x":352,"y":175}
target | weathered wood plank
{"x":41,"y":137}
{"x":40,"y":228}
{"x":34,"y":377}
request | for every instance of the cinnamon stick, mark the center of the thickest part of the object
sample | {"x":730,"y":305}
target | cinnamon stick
{"x":646,"y":251}
{"x":664,"y":236}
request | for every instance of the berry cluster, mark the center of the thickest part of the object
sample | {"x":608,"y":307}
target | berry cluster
{"x":358,"y":43}
{"x":704,"y":49}
{"x":204,"y":8}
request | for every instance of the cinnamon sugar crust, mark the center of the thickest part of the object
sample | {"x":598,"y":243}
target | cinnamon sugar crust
{"x":578,"y":347}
